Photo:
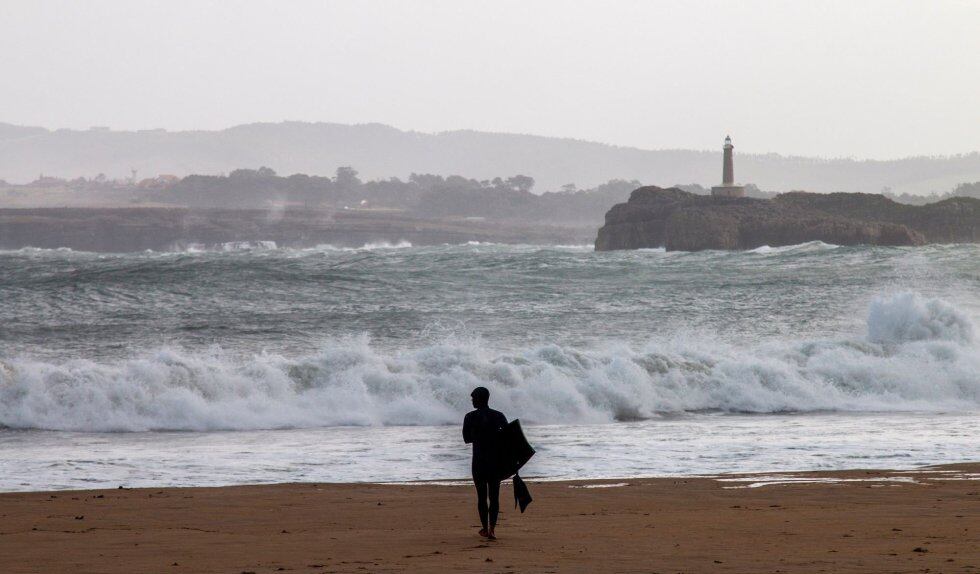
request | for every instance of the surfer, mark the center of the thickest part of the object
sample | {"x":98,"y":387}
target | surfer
{"x":481,"y":428}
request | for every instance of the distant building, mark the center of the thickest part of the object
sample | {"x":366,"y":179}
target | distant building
{"x":728,"y":187}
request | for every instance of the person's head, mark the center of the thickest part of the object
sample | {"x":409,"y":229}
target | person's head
{"x":480,"y":396}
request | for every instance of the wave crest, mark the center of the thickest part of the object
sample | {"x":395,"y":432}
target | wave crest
{"x":919,"y":355}
{"x":907,"y":317}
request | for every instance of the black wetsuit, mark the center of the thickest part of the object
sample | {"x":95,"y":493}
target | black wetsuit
{"x":480,"y":427}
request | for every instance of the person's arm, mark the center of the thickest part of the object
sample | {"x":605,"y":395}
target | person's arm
{"x":467,"y":429}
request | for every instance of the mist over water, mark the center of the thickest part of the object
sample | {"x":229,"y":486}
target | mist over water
{"x":251,"y":337}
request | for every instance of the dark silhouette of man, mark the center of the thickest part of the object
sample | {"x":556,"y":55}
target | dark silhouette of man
{"x":481,"y":428}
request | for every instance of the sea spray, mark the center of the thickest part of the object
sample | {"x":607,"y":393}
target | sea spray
{"x":919,"y":355}
{"x":907,"y":317}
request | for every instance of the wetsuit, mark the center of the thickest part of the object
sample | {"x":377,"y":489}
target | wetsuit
{"x":480,"y":427}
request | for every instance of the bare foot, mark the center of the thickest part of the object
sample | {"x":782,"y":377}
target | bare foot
{"x":484,"y":533}
{"x":490,"y":535}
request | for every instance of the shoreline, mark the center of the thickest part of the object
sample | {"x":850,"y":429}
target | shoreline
{"x":136,"y":229}
{"x":797,"y":476}
{"x":860,"y":520}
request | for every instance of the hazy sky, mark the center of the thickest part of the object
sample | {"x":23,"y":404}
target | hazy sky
{"x":863,"y":78}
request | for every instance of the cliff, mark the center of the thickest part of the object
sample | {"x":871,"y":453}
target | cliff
{"x":681,"y":221}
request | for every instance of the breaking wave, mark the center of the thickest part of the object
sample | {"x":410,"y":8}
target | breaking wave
{"x":808,"y":247}
{"x":370,"y":246}
{"x":233,"y":246}
{"x":918,"y":355}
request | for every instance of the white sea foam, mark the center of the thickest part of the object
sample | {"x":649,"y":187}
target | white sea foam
{"x":249,"y":246}
{"x":567,"y":247}
{"x":38,"y":251}
{"x":801,"y":247}
{"x":370,"y":246}
{"x":919,"y":354}
{"x":386,"y":245}
{"x":908,"y":317}
{"x":526,"y":246}
{"x":226,"y":247}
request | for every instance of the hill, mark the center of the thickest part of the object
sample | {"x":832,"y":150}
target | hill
{"x":380,"y":151}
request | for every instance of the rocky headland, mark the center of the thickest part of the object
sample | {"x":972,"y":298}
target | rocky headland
{"x":682,"y":221}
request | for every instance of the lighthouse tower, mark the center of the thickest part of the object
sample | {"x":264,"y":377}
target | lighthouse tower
{"x":728,"y":187}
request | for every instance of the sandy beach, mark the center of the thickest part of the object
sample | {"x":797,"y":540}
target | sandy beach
{"x":855,"y":521}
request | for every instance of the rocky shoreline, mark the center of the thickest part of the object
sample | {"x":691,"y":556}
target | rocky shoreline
{"x":681,"y":221}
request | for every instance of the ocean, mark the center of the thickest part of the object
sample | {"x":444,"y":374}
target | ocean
{"x":249,"y":363}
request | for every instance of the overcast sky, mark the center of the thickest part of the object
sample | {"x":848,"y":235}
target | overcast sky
{"x":868,"y":78}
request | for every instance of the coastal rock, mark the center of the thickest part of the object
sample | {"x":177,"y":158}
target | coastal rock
{"x":682,"y":221}
{"x":953,"y":220}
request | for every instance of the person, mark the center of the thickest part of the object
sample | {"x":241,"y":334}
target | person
{"x":481,"y":428}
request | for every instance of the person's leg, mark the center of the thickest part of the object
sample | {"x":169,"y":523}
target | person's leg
{"x":481,"y":501}
{"x":493,"y":488}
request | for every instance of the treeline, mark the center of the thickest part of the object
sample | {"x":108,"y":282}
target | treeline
{"x":424,"y":194}
{"x":961,"y":190}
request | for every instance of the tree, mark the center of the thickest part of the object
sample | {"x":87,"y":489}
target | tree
{"x":520,"y":183}
{"x":243,"y":173}
{"x":347,"y":177}
{"x":426,"y":180}
{"x":459,"y":182}
{"x":967,"y":190}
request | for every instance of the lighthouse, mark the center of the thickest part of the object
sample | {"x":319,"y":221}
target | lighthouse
{"x":728,"y":188}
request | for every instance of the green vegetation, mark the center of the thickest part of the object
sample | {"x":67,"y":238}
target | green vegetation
{"x":424,"y":194}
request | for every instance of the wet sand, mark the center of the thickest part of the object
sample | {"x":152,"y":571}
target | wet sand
{"x":873,"y":521}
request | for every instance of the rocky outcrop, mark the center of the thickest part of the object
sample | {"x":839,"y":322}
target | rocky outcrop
{"x":953,"y":220}
{"x":681,"y":221}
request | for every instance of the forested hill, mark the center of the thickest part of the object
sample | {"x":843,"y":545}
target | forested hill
{"x":381,"y":152}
